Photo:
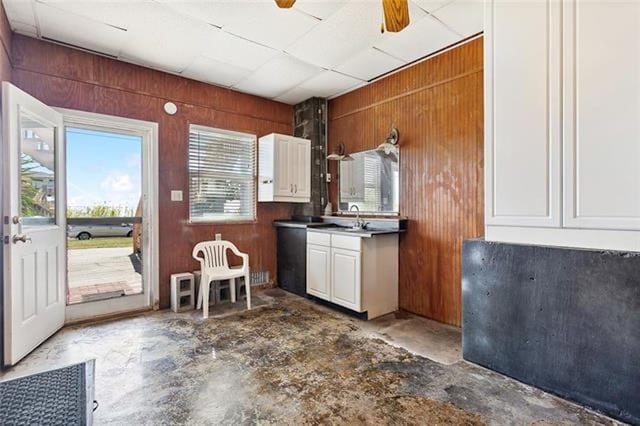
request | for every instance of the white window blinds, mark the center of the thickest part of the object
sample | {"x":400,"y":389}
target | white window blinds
{"x":221,"y":175}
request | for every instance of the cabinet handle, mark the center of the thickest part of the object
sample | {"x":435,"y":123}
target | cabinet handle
{"x":291,"y":190}
{"x":296,"y":186}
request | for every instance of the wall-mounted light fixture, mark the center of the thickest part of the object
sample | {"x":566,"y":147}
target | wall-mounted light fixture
{"x":390,"y":144}
{"x":170,"y":108}
{"x":339,"y":155}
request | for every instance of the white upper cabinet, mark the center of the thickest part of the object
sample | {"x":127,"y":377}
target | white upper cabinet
{"x":562,"y":122}
{"x":602,"y":114}
{"x":522,"y":104}
{"x":284,"y":169}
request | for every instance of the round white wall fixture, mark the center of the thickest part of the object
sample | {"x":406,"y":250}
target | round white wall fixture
{"x":170,"y":108}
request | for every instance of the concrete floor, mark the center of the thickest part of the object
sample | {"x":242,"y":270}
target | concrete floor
{"x":103,"y":270}
{"x":291,"y":361}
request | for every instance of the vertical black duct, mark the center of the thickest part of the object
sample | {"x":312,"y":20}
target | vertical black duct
{"x":310,"y":122}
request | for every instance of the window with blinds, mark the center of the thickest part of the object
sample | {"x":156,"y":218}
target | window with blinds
{"x":221,"y":175}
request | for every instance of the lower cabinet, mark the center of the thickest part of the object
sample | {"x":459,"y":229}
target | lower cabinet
{"x":345,"y":278}
{"x":358,"y":273}
{"x":319,"y":271}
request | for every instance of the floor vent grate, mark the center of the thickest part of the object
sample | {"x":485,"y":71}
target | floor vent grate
{"x":259,"y":277}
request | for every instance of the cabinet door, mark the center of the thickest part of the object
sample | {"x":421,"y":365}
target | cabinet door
{"x":345,"y":278}
{"x":602,"y":114}
{"x":522,"y":45}
{"x":283,"y":185}
{"x":318,"y":271}
{"x":301,"y":166}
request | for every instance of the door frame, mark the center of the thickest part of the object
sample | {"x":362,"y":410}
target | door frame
{"x":150,"y":236}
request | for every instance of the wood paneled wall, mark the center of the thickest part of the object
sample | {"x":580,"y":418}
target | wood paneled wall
{"x":68,"y":78}
{"x":438,"y":107}
{"x":6,"y":37}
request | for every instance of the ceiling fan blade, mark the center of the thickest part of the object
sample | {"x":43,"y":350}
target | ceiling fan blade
{"x":396,"y":14}
{"x":285,"y":4}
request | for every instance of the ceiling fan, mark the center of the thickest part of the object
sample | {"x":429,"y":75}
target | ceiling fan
{"x":396,"y":13}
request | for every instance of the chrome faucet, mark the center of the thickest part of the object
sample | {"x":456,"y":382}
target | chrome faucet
{"x":359,"y":223}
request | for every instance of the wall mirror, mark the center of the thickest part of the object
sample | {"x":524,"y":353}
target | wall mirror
{"x":370,"y":181}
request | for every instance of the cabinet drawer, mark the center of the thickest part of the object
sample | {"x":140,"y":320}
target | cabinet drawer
{"x":318,"y":238}
{"x":346,"y":242}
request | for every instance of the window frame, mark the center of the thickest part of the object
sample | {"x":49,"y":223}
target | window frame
{"x":231,"y":220}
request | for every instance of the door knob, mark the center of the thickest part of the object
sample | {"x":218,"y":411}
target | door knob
{"x":21,"y":238}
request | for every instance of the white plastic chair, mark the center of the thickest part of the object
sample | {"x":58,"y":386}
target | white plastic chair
{"x":214,"y":266}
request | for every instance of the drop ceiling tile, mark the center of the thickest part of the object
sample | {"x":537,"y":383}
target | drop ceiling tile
{"x":329,"y":83}
{"x":267,"y":24}
{"x":25,"y":29}
{"x":419,"y":40}
{"x":277,"y":76}
{"x":213,"y":12}
{"x":295,"y":96}
{"x":368,"y":64}
{"x":73,"y":29}
{"x":260,"y":21}
{"x":112,"y":13}
{"x":466,"y":17}
{"x":321,"y":9}
{"x":432,"y":5}
{"x":225,"y":47}
{"x":351,"y":29}
{"x":20,"y":12}
{"x":215,"y":72}
{"x":165,"y":40}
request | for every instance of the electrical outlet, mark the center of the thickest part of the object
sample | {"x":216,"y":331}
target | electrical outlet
{"x":328,"y":177}
{"x":218,"y":237}
{"x":176,"y":195}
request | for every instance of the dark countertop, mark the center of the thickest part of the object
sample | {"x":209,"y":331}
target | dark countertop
{"x":296,"y":224}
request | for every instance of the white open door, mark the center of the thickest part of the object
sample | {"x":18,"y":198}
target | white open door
{"x":34,"y":222}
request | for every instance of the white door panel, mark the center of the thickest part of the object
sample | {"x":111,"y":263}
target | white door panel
{"x":522,"y":104}
{"x":35,"y":226}
{"x":318,"y":271}
{"x":283,"y":172}
{"x":602,"y":110}
{"x":345,"y":278}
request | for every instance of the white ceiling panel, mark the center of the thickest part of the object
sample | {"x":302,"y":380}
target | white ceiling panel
{"x":295,"y":96}
{"x":20,"y":13}
{"x":225,"y":47}
{"x":215,"y":72}
{"x":466,"y":17}
{"x":68,"y":28}
{"x":432,"y":5}
{"x":329,"y":83}
{"x":418,"y":40}
{"x":368,"y":64}
{"x":117,"y":13}
{"x":165,"y":39}
{"x":261,"y":21}
{"x":266,"y":23}
{"x":216,"y":13}
{"x":321,"y":9}
{"x":351,"y":29}
{"x":277,"y":76}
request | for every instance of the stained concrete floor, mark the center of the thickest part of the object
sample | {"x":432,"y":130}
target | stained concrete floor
{"x":291,"y":361}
